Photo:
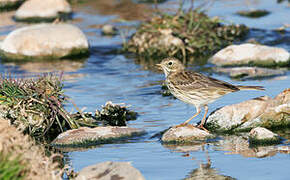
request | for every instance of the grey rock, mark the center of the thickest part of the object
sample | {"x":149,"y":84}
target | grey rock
{"x":249,"y":72}
{"x":262,"y":111}
{"x":109,"y":171}
{"x":85,"y":136}
{"x":48,"y":9}
{"x":44,"y":41}
{"x":245,"y":54}
{"x":185,"y":134}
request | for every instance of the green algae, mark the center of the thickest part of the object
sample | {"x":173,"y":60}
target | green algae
{"x":61,"y":17}
{"x":74,"y":53}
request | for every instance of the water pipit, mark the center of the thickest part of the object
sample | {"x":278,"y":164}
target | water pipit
{"x":194,"y":88}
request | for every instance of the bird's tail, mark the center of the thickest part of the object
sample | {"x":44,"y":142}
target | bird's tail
{"x":251,"y":87}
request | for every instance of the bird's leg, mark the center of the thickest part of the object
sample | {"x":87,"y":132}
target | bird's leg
{"x":203,"y":119}
{"x":187,"y":121}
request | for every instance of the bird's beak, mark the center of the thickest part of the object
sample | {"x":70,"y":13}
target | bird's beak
{"x":159,"y":66}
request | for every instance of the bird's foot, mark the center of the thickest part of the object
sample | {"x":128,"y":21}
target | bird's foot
{"x":203,"y":128}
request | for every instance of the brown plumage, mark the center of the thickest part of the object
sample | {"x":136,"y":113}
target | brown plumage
{"x":194,"y":88}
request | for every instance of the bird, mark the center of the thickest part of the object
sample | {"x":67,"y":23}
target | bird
{"x":195,"y":88}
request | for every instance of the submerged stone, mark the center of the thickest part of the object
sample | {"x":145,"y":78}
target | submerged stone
{"x":185,"y":134}
{"x":249,"y":72}
{"x":256,"y":13}
{"x":251,"y":54}
{"x":44,"y":41}
{"x":85,"y":136}
{"x":109,"y":29}
{"x":110,"y":170}
{"x":39,"y":10}
{"x":262,"y":111}
{"x":263,"y":136}
{"x":7,"y":5}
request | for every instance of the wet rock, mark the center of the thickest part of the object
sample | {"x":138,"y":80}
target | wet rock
{"x":109,"y":29}
{"x":39,"y":10}
{"x":85,"y":136}
{"x":262,"y":111}
{"x":185,"y":134}
{"x":6,"y":5}
{"x":260,"y":135}
{"x":44,"y":41}
{"x":110,"y":170}
{"x":251,"y":54}
{"x":249,"y":72}
{"x":255,"y":13}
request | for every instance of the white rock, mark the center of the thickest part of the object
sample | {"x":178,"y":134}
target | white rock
{"x":57,"y":40}
{"x":110,"y":170}
{"x":261,"y":133}
{"x":42,"y":9}
{"x":250,"y":53}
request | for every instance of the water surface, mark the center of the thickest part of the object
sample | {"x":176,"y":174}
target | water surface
{"x":109,"y":76}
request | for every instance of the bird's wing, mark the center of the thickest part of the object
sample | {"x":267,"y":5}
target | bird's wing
{"x":187,"y":80}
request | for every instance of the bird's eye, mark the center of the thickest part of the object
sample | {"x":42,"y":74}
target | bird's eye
{"x":170,"y":63}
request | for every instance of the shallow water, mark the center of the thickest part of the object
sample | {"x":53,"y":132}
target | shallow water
{"x":108,"y":76}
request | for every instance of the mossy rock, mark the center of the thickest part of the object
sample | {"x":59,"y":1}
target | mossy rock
{"x":262,"y":136}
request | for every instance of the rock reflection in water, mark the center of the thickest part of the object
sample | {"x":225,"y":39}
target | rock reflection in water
{"x":125,"y":9}
{"x":240,"y":145}
{"x":66,"y":66}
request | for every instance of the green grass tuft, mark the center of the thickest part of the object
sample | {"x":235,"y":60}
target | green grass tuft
{"x":11,"y":168}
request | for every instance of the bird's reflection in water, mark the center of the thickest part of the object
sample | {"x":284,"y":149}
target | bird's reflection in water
{"x":206,"y":171}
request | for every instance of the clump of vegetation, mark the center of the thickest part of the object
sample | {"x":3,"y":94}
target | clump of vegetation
{"x":35,"y":106}
{"x":21,"y":158}
{"x":183,"y":35}
{"x":254,"y":13}
{"x":110,"y":115}
{"x":115,"y":114}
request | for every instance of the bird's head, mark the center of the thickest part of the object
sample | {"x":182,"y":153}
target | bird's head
{"x":169,"y":65}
